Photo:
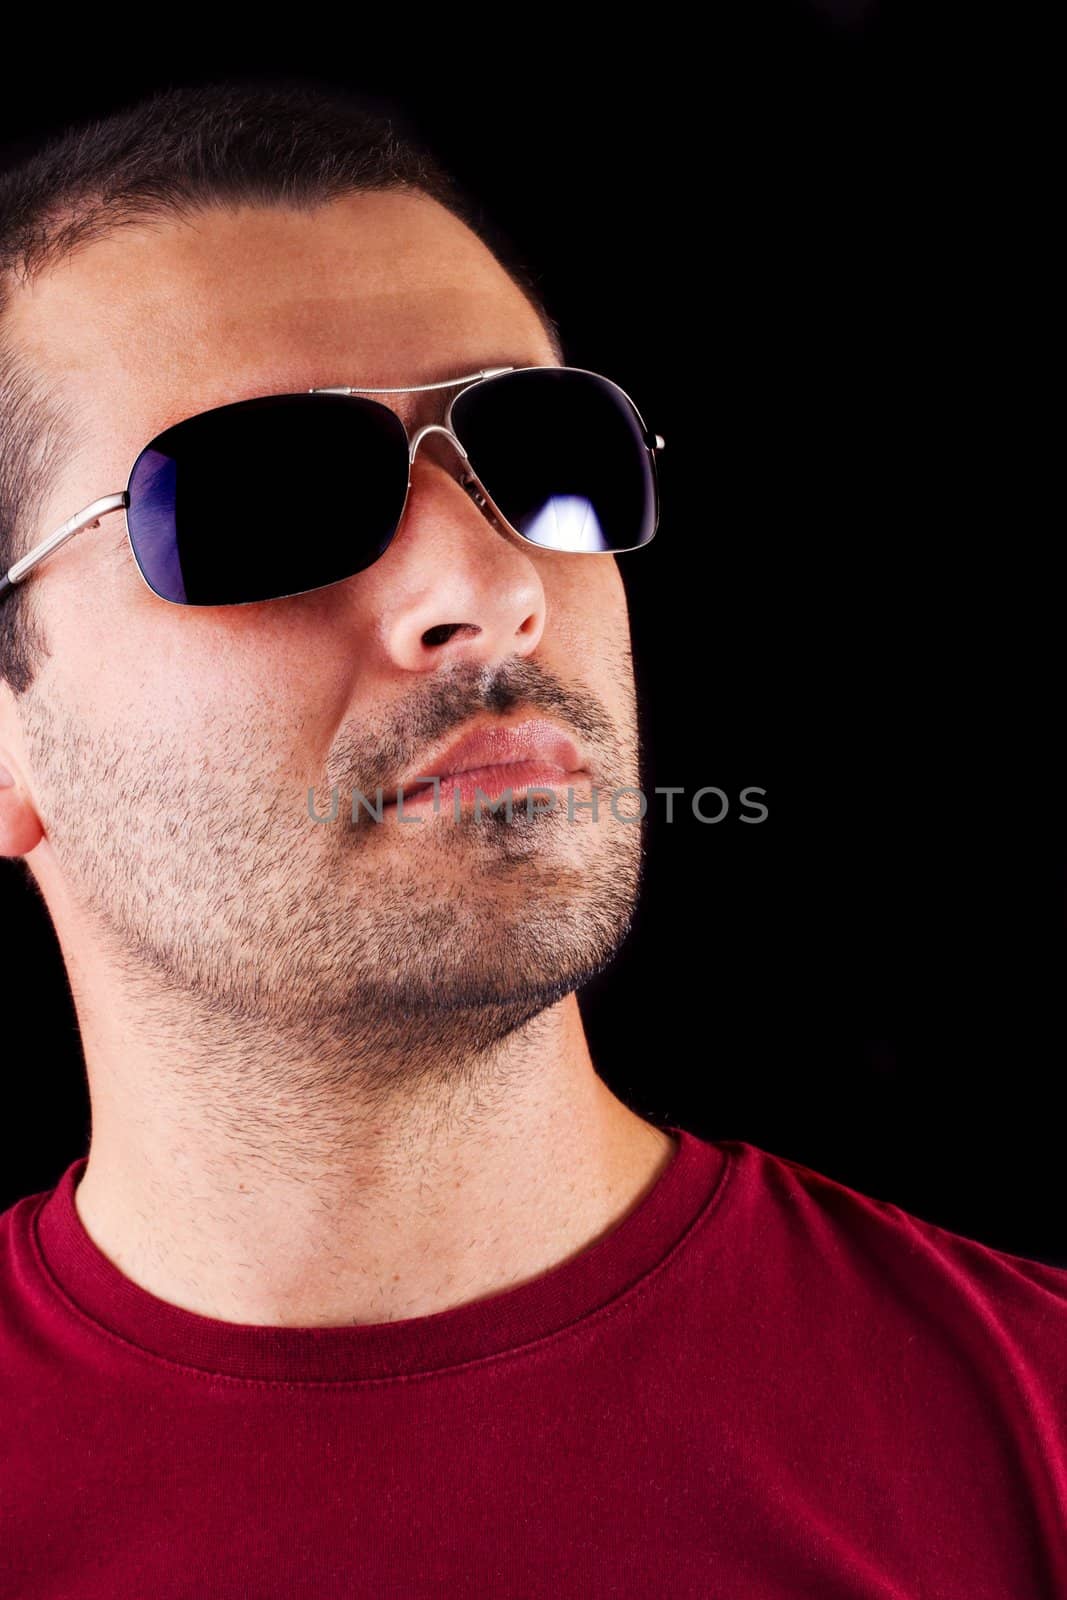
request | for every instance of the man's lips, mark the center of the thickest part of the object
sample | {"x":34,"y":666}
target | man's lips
{"x":495,"y":757}
{"x":492,"y":781}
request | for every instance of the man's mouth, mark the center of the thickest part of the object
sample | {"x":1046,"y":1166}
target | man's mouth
{"x":492,"y":758}
{"x":491,"y":782}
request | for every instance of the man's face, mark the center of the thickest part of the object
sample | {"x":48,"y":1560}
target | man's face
{"x":171,"y":749}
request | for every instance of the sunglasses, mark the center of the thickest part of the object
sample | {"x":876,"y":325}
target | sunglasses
{"x":214,"y":503}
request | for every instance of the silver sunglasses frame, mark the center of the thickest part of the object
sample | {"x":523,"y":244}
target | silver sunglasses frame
{"x":90,"y":515}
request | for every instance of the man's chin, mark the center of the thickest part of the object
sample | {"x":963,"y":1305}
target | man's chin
{"x":508,"y":973}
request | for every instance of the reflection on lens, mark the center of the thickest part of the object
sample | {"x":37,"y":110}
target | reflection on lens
{"x":567,"y":522}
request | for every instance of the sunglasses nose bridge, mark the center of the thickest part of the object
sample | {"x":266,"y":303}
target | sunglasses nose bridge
{"x":434,"y":427}
{"x":469,"y":479}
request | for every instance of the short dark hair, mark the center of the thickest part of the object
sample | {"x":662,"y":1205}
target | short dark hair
{"x":286,"y":141}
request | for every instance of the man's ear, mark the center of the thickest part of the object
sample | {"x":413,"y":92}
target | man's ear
{"x":20,"y":826}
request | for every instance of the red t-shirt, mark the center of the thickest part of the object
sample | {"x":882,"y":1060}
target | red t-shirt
{"x":759,"y":1383}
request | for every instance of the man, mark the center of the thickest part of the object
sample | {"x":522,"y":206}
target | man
{"x":368,"y":1284}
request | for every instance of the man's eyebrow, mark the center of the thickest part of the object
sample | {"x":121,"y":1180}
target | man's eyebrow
{"x":445,"y":375}
{"x":432,"y":402}
{"x":435,"y":402}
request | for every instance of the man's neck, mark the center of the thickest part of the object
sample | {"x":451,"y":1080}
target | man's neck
{"x":278,"y":1222}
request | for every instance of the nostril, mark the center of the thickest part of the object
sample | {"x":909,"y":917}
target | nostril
{"x":446,"y":630}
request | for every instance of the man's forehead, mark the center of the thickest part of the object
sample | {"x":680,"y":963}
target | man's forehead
{"x":174,"y":317}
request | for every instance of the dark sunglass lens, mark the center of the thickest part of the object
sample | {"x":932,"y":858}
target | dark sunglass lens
{"x":563,"y":454}
{"x":267,"y":497}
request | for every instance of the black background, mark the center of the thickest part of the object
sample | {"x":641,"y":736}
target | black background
{"x":803,"y":240}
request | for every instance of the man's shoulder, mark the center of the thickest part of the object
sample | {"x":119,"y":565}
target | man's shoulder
{"x":853,"y":1231}
{"x":16,"y":1232}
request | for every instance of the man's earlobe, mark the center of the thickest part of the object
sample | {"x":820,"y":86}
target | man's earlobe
{"x":20,"y":826}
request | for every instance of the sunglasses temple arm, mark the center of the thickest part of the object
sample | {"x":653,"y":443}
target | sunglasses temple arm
{"x":81,"y":520}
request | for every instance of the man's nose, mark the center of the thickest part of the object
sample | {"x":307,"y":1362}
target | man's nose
{"x":455,"y":582}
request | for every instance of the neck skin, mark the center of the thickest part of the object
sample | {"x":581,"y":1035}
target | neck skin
{"x":340,"y":1211}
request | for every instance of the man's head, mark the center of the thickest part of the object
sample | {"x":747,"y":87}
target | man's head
{"x":216,"y":244}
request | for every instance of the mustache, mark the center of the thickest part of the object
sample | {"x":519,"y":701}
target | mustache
{"x":367,"y":758}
